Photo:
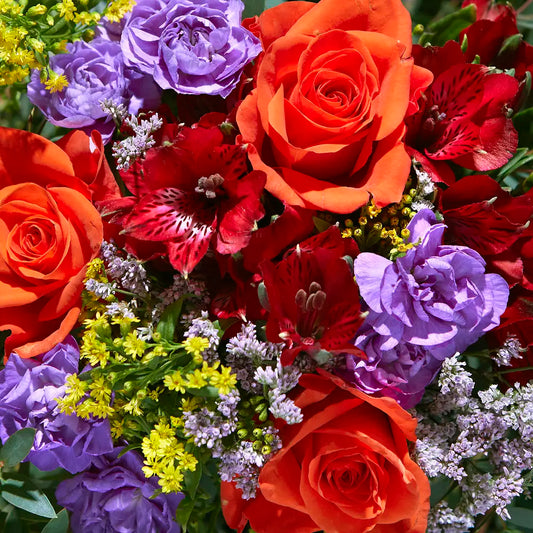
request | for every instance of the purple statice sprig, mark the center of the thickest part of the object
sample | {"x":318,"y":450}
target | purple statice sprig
{"x":245,"y":353}
{"x":278,"y":381}
{"x":460,"y":429}
{"x":136,"y":145}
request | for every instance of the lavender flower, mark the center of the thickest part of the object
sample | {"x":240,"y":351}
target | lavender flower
{"x":426,"y":306}
{"x":195,"y":47}
{"x":245,"y":352}
{"x":127,"y":151}
{"x":114,"y":495}
{"x":458,"y":428}
{"x":95,"y":72}
{"x":28,"y":392}
{"x":128,"y":271}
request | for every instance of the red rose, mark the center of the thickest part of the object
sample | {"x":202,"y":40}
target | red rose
{"x":345,"y":468}
{"x":50,"y":231}
{"x":334,"y":84}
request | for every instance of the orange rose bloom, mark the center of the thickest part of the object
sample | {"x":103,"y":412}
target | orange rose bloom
{"x":49,"y":231}
{"x":326,"y":119}
{"x":344,"y":469}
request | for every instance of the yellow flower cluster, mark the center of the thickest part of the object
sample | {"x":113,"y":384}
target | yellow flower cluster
{"x":215,"y":375}
{"x":17,"y":51}
{"x":166,"y":457}
{"x":385,"y":228}
{"x":86,"y":398}
{"x":116,"y":10}
{"x":28,"y":34}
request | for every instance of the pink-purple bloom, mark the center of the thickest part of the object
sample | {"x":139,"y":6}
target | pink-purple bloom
{"x":95,"y":73}
{"x":114,"y":495}
{"x":28,"y":392}
{"x":425,"y":306}
{"x":192,"y":47}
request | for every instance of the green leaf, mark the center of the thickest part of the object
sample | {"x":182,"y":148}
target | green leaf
{"x":59,"y":524}
{"x":449,"y":27}
{"x":520,"y":159}
{"x":23,"y":494}
{"x":17,"y":447}
{"x":13,"y":523}
{"x":440,"y":487}
{"x":521,"y":517}
{"x":253,"y":7}
{"x":169,"y":319}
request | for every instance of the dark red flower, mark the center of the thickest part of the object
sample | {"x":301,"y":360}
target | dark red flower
{"x":495,"y":39}
{"x":462,"y":117}
{"x":481,"y":215}
{"x":313,"y":301}
{"x":190,"y":190}
{"x":487,"y":9}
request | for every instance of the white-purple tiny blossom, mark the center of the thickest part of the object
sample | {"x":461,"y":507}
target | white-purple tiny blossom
{"x":128,"y":150}
{"x":245,"y":352}
{"x":456,"y":384}
{"x":207,"y":428}
{"x":117,"y":111}
{"x":443,"y":519}
{"x":121,"y":308}
{"x":127,"y":272}
{"x":99,"y":288}
{"x":511,"y":349}
{"x":425,"y":189}
{"x":280,"y":380}
{"x":460,"y":428}
{"x":242,"y":464}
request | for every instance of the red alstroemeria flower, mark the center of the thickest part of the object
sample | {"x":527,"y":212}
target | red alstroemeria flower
{"x":487,"y":38}
{"x":189,"y":191}
{"x":462,"y":117}
{"x":313,"y":301}
{"x":481,"y":215}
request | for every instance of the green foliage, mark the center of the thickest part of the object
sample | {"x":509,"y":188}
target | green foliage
{"x":23,"y":494}
{"x":17,"y":447}
{"x":449,"y":27}
{"x":59,"y":524}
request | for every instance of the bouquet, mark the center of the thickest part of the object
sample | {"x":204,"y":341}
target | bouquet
{"x":268,"y":271}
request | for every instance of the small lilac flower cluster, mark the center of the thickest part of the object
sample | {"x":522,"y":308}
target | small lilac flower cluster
{"x":457,"y":430}
{"x":135,"y":146}
{"x":245,"y":352}
{"x":280,"y":380}
{"x":127,"y":272}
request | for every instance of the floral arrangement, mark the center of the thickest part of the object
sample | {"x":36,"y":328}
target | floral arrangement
{"x":268,"y":271}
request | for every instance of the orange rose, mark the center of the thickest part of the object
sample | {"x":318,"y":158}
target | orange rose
{"x":49,"y":231}
{"x":326,"y":120}
{"x":344,"y":469}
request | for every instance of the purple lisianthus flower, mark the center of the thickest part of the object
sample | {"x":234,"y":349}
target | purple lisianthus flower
{"x":402,"y":373}
{"x":114,"y":495}
{"x":425,"y":306}
{"x":28,"y":392}
{"x":95,"y":72}
{"x":191,"y":47}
